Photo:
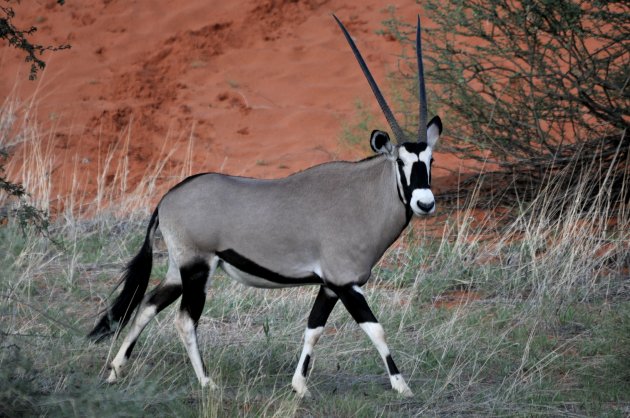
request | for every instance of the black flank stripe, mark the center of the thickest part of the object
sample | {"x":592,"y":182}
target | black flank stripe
{"x":248,"y":266}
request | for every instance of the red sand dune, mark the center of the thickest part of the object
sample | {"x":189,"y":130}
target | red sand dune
{"x":263,"y":87}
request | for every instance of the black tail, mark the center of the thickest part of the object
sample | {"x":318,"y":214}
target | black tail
{"x":136,"y":280}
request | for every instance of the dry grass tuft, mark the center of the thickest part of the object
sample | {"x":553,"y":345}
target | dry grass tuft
{"x":541,"y":324}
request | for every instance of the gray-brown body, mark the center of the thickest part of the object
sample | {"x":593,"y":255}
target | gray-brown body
{"x":326,"y":226}
{"x":334,"y":220}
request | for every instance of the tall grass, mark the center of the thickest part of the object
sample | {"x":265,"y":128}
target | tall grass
{"x":529,"y":316}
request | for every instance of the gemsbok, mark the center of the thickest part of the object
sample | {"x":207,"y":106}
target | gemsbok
{"x":326,"y":226}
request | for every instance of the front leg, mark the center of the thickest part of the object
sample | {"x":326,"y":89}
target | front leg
{"x":324,"y":304}
{"x":353,"y":299}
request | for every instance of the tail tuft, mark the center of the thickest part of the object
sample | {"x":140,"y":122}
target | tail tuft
{"x":102,"y":330}
{"x":135,"y":279}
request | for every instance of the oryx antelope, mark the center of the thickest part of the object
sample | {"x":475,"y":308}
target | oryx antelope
{"x":325,"y":226}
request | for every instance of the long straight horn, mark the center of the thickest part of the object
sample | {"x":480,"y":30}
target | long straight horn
{"x":422,"y":119}
{"x":398,"y":133}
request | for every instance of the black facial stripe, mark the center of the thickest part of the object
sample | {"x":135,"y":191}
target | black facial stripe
{"x":405,"y":186}
{"x":422,"y":175}
{"x":419,"y":179}
{"x":415,"y":176}
{"x":407,"y":191}
{"x":402,"y":200}
{"x":417,"y":148}
{"x":248,"y":266}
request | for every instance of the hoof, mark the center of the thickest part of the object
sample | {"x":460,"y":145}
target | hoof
{"x":207,"y":383}
{"x":304,"y":394}
{"x":299,"y":386}
{"x":406,"y":393}
{"x":113,"y":376}
{"x":116,"y":370}
{"x":399,"y":385}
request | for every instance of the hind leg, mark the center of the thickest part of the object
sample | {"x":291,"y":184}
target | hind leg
{"x":195,"y":277}
{"x":166,"y":293}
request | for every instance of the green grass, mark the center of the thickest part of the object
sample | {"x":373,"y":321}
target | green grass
{"x":548,"y":334}
{"x":543,"y":328}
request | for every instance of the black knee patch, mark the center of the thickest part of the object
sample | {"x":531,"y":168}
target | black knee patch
{"x":391,"y":366}
{"x":307,"y":360}
{"x":194,"y":277}
{"x":130,"y":349}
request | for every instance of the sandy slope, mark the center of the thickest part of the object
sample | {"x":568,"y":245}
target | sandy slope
{"x":263,"y":87}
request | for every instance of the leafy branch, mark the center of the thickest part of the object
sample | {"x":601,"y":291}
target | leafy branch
{"x":19,"y":38}
{"x":25,"y":213}
{"x":533,"y":86}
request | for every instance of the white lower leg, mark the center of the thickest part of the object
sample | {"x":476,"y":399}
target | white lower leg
{"x":186,"y":330}
{"x":311,"y":336}
{"x":145,"y":315}
{"x":375,"y":331}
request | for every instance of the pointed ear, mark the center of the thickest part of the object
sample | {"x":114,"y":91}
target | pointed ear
{"x":379,"y":141}
{"x":434,"y":129}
